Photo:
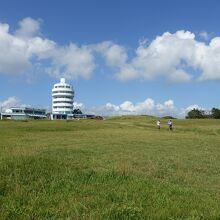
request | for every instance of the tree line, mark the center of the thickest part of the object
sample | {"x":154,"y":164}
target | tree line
{"x":199,"y":113}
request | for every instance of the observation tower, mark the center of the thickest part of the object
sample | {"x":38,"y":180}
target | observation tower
{"x":62,"y":100}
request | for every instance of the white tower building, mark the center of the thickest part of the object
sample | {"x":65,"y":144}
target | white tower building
{"x":62,"y":100}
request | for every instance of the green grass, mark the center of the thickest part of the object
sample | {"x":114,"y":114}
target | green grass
{"x":120,"y":168}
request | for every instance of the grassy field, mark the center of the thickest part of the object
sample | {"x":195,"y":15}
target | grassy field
{"x":119,"y":168}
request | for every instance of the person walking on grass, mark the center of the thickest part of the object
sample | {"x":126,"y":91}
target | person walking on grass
{"x":170,"y":124}
{"x":158,"y":124}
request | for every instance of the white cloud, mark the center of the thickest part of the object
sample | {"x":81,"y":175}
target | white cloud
{"x":183,"y":111}
{"x":114,"y":54}
{"x":127,"y":72}
{"x":148,"y":106}
{"x":19,"y":49}
{"x":13,"y":57}
{"x":178,"y":76}
{"x":72,"y":62}
{"x":162,"y":57}
{"x":17,"y":52}
{"x":111,"y":107}
{"x":42,"y":48}
{"x":28,"y":28}
{"x":191,"y":107}
{"x":168,"y":56}
{"x":78,"y":105}
{"x":210,"y":61}
{"x":127,"y":106}
{"x":9,"y":102}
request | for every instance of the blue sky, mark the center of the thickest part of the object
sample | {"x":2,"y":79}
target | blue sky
{"x":122,"y":57}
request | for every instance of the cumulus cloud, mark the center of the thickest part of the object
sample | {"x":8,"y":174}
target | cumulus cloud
{"x":148,"y":106}
{"x":115,"y":55}
{"x":78,"y":105}
{"x":17,"y":52}
{"x":163,"y":57}
{"x":28,"y":28}
{"x":9,"y":102}
{"x":183,"y":111}
{"x":26,"y":48}
{"x":170,"y":56}
{"x":72,"y":62}
{"x":191,"y":107}
{"x":13,"y":57}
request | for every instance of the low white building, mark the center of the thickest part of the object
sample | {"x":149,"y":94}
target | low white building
{"x":23,"y":113}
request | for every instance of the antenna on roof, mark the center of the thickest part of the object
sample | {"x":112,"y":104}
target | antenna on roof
{"x":62,"y":80}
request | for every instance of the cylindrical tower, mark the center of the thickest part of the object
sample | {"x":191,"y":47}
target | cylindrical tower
{"x":62,"y":100}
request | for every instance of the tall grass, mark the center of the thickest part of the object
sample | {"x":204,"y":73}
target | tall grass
{"x":120,"y":168}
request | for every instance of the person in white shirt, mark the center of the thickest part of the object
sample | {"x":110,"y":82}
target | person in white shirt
{"x":158,"y":124}
{"x":170,"y":124}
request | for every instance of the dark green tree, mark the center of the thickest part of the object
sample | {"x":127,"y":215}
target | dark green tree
{"x":77,"y":111}
{"x":215,"y":113}
{"x":196,"y":113}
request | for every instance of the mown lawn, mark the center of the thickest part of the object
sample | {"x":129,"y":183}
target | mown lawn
{"x":120,"y":168}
